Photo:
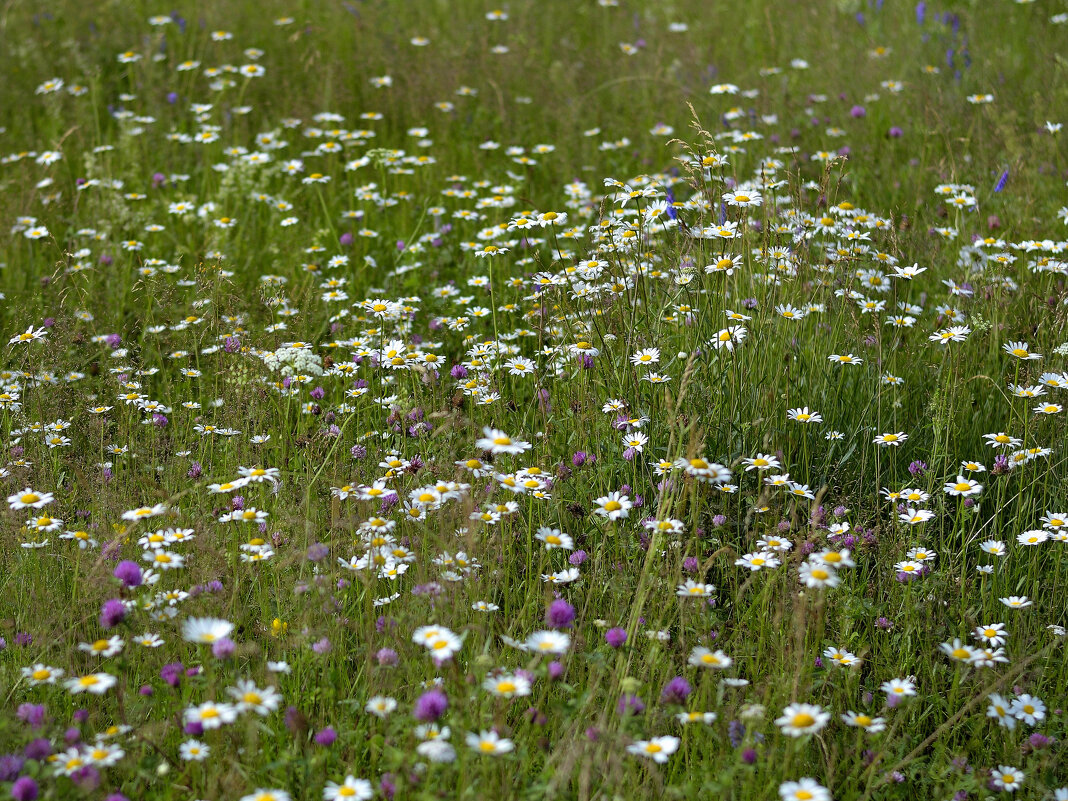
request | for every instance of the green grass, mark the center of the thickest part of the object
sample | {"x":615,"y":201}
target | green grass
{"x":202,"y":308}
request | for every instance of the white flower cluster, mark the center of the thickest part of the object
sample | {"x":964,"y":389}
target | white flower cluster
{"x":293,"y":361}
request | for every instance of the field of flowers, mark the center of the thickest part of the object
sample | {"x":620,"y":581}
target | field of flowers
{"x":572,"y":400}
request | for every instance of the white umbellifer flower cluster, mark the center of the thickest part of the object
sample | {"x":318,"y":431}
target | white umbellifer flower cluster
{"x":293,"y":361}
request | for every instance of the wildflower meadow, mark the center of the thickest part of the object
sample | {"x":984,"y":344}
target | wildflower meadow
{"x":574,"y":399}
